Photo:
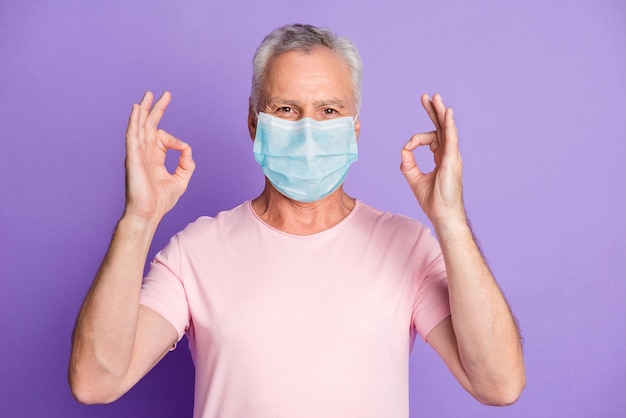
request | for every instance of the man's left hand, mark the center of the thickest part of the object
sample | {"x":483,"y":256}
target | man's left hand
{"x":440,"y":192}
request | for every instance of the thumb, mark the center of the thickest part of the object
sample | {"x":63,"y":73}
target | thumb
{"x":186,"y":165}
{"x":408,"y":164}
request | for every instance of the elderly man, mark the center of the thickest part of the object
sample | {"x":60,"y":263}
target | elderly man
{"x":303,"y":301}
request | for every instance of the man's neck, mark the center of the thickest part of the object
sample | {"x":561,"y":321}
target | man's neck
{"x":299,"y":218}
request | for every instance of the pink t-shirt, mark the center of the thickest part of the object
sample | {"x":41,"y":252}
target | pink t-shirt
{"x":300,"y":326}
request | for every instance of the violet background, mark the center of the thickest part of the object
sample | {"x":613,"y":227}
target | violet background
{"x":538,"y":89}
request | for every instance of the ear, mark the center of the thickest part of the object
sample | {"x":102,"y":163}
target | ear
{"x":252,"y":122}
{"x":357,"y":127}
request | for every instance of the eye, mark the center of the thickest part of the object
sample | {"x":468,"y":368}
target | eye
{"x":286,"y":112}
{"x":329,"y":111}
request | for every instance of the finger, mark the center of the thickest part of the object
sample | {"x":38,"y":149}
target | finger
{"x":408,"y":161}
{"x":440,"y":108}
{"x":440,"y":112}
{"x":432,"y":114}
{"x":157,"y":111}
{"x":430,"y":109}
{"x":452,"y":136}
{"x":451,"y":131}
{"x":186,"y":166}
{"x":133,"y":121}
{"x":168,"y":141}
{"x":144,"y":106}
{"x":409,"y":167}
{"x":144,"y":110}
{"x":424,"y":138}
{"x":132,"y":131}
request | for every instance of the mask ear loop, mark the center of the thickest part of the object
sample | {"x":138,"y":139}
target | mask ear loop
{"x":256,"y":115}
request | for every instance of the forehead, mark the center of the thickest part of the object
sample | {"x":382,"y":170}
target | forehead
{"x":318,"y":72}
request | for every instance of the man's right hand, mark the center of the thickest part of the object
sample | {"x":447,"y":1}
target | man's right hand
{"x":116,"y":340}
{"x":151,"y":191}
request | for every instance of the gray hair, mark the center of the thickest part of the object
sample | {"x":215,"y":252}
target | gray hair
{"x":305,"y":38}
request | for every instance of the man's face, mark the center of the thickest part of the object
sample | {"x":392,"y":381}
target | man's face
{"x":298,"y":85}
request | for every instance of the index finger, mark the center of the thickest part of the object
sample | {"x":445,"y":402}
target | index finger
{"x":423,"y":138}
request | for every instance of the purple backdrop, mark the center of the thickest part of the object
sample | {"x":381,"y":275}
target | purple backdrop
{"x":539,"y":92}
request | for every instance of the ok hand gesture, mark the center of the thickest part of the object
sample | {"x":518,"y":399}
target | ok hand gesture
{"x":150,"y":190}
{"x":440,"y":192}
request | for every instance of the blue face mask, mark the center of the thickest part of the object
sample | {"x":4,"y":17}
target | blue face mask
{"x":305,"y":160}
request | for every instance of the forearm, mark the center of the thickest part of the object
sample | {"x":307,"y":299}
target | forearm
{"x":105,"y":331}
{"x":487,"y":336}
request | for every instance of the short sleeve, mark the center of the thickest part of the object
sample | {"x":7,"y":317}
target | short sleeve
{"x":431,"y":304}
{"x":162,"y":289}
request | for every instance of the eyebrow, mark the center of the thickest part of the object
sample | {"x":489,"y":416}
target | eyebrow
{"x":318,"y":103}
{"x":330,"y":102}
